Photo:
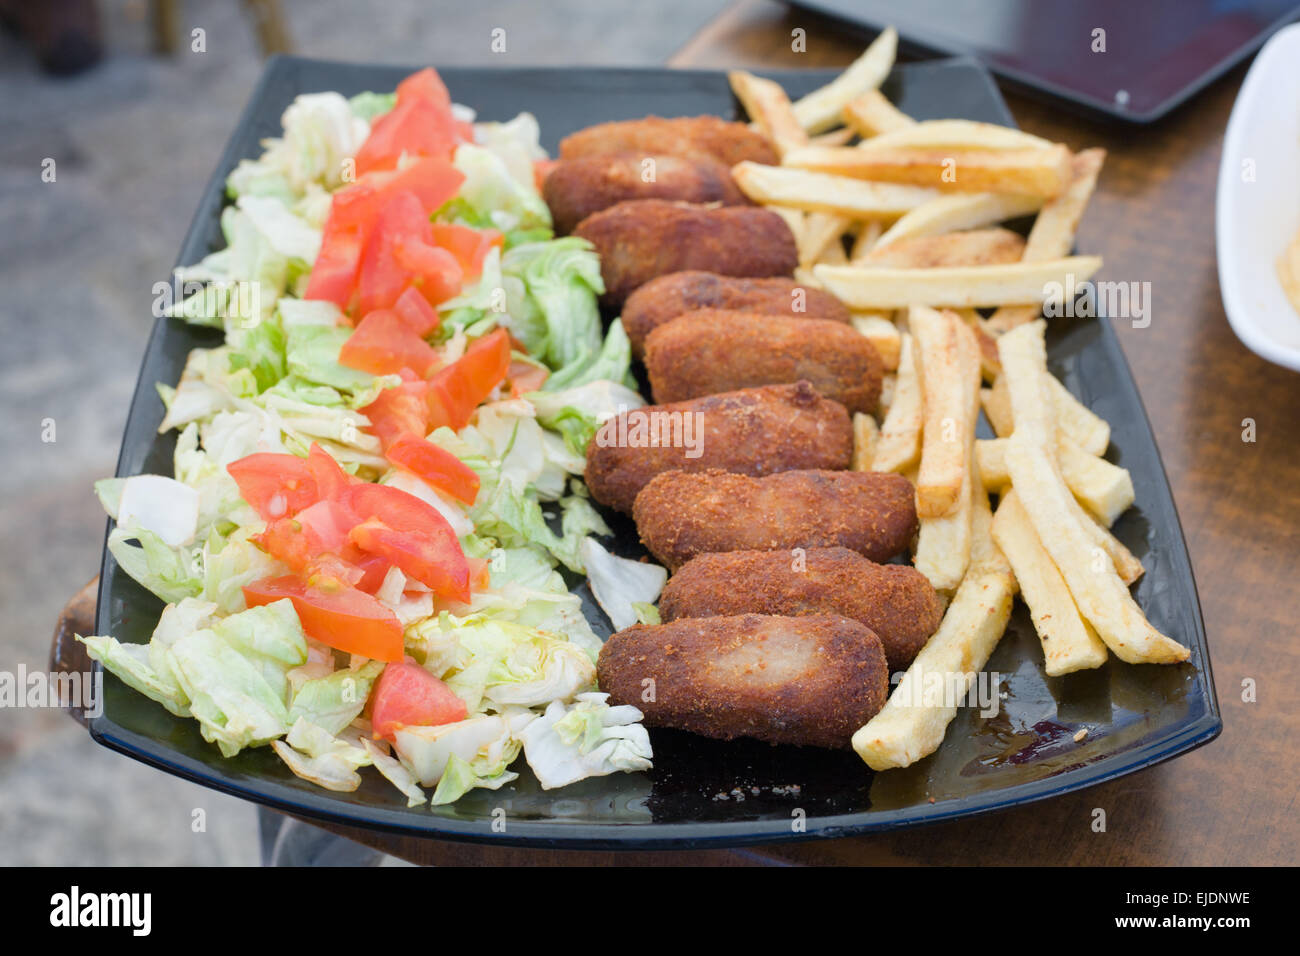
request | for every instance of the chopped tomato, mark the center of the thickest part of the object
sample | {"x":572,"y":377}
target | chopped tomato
{"x":328,"y":474}
{"x":382,"y":278}
{"x":463,"y":385}
{"x":373,"y":571}
{"x":407,"y":695}
{"x":434,"y":559}
{"x":414,"y":309}
{"x":434,"y":271}
{"x":415,"y":127}
{"x":435,"y":465}
{"x":469,"y":246}
{"x":425,"y":84}
{"x":480,"y":574}
{"x":335,"y":614}
{"x":525,"y":377}
{"x":334,"y":274}
{"x":275,"y":485}
{"x":400,"y":410}
{"x":384,"y":345}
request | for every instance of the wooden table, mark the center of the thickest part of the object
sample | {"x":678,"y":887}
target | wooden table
{"x":1233,"y":801}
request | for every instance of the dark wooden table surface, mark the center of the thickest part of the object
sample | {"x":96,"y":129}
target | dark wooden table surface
{"x":1233,"y":801}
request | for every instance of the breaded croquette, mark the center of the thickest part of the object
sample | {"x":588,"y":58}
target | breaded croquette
{"x":642,"y":239}
{"x":756,"y":431}
{"x":728,"y":142}
{"x":894,"y":600}
{"x":720,"y":350}
{"x":663,"y":299}
{"x":576,"y":188}
{"x":682,"y":514}
{"x":809,"y":681}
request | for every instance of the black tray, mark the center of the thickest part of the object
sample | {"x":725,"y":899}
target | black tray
{"x":706,"y":793}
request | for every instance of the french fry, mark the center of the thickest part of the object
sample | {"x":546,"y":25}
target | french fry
{"x":1069,"y":642}
{"x":990,"y":363}
{"x":979,"y":247}
{"x":1089,"y":430}
{"x":833,"y":254}
{"x":1052,"y":235}
{"x":866,"y":433}
{"x":767,"y":104}
{"x":1023,"y":353}
{"x":947,"y":365}
{"x":900,"y":435}
{"x":954,"y":134}
{"x":1125,"y":561}
{"x":820,"y":110}
{"x":955,"y":212}
{"x":1104,"y":489}
{"x":868,"y":232}
{"x":957,"y":286}
{"x":1099,"y":593}
{"x":820,"y":192}
{"x":871,"y":114}
{"x":835,"y":137}
{"x":1022,"y":172}
{"x":913,"y":721}
{"x":884,"y":335}
{"x":806,"y":277}
{"x":823,"y":231}
{"x":887,"y":386}
{"x":997,"y":408}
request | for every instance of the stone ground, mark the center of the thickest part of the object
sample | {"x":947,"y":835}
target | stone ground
{"x":134,"y":140}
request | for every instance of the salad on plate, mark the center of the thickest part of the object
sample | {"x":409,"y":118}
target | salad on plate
{"x":377,"y":489}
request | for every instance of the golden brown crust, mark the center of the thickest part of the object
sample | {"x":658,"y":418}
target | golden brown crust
{"x":641,"y":239}
{"x":721,"y":350}
{"x":894,"y":600}
{"x":683,"y":514}
{"x":663,"y":299}
{"x":576,"y":188}
{"x":755,"y":431}
{"x":807,"y":681}
{"x":728,"y":142}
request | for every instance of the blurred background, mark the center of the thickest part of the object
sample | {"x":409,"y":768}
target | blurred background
{"x":134,"y":119}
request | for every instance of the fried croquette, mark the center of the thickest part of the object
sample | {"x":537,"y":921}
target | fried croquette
{"x":755,"y":431}
{"x":894,"y":600}
{"x":682,"y":514}
{"x":665,"y":298}
{"x":576,"y":188}
{"x":717,"y":350}
{"x":641,"y":239}
{"x":727,"y":142}
{"x":808,"y":681}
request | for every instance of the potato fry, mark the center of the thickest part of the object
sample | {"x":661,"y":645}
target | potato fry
{"x":884,"y":335}
{"x":1023,"y":353}
{"x":1126,"y":562}
{"x":954,"y":134}
{"x":955,"y":212}
{"x":869,"y":231}
{"x":1089,"y":430}
{"x":1100,"y":594}
{"x":900,"y":435}
{"x":980,"y":247}
{"x":996,"y":402}
{"x":820,"y":110}
{"x":836,"y":137}
{"x":766,"y":103}
{"x":866,"y":433}
{"x":1069,"y":642}
{"x":1022,"y":172}
{"x":796,"y":219}
{"x":805,"y":277}
{"x":887,"y":385}
{"x":820,"y":192}
{"x":871,"y":114}
{"x":990,"y":363}
{"x":1052,"y":235}
{"x":833,"y":254}
{"x":957,"y":286}
{"x":823,"y":231}
{"x":947,"y":366}
{"x":1103,"y":488}
{"x":913,"y":721}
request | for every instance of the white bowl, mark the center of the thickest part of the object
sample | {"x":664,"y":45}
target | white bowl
{"x":1256,"y":220}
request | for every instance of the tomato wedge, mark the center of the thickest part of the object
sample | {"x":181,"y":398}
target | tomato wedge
{"x":275,"y":485}
{"x":435,"y":272}
{"x":382,"y":278}
{"x":400,"y":410}
{"x":525,"y":377}
{"x":426,"y":85}
{"x":435,"y":465}
{"x":406,"y":695}
{"x":414,"y":309}
{"x":462,"y":386}
{"x":384,"y":345}
{"x":335,"y":614}
{"x":328,"y":474}
{"x":469,"y":246}
{"x":434,"y":559}
{"x":416,"y":126}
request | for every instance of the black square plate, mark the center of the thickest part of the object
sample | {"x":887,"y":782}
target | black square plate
{"x":705,"y":793}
